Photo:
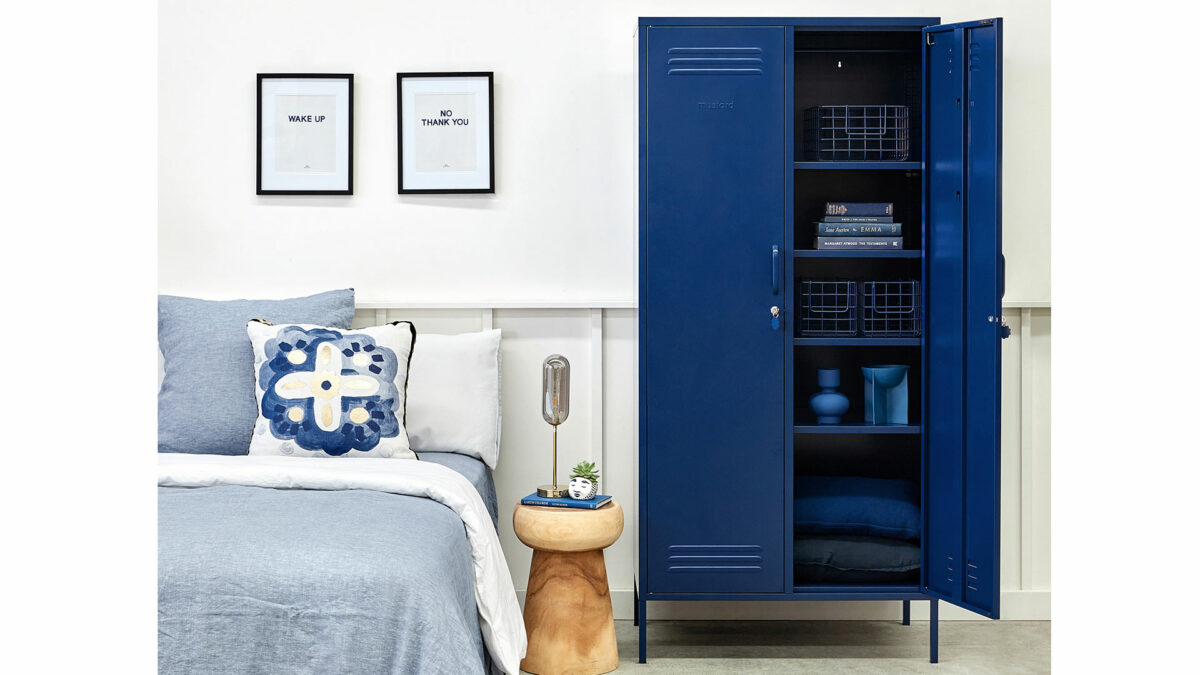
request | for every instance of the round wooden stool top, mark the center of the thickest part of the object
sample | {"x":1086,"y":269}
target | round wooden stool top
{"x":566,"y":530}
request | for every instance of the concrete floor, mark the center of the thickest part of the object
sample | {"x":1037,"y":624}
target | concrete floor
{"x":693,"y":647}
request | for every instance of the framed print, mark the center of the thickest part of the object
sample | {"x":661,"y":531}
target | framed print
{"x":445,"y":133}
{"x":305,"y":134}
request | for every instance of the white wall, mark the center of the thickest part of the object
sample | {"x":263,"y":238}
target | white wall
{"x":560,"y":226}
{"x":559,"y":231}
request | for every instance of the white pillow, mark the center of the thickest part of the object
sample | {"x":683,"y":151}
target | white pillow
{"x":331,"y":392}
{"x":454,"y":395}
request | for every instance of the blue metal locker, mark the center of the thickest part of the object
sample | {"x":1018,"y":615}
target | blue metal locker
{"x":725,"y":235}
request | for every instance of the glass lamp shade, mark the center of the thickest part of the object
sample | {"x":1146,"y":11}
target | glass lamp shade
{"x":556,"y":389}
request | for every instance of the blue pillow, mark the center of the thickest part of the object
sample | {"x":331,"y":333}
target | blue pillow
{"x":880,"y":507}
{"x":854,"y":559}
{"x":206,"y":404}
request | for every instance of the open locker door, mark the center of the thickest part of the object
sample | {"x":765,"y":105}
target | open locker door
{"x":965,"y":273}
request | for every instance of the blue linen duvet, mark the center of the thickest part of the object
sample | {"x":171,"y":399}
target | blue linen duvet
{"x":261,"y":580}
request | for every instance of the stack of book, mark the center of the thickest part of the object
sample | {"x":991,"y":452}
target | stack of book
{"x":858,"y":226}
{"x":567,"y":502}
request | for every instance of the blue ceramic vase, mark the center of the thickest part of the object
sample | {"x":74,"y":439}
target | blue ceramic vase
{"x":886,"y":394}
{"x":829,"y":404}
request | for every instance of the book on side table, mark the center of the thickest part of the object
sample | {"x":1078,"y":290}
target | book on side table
{"x":566,"y":502}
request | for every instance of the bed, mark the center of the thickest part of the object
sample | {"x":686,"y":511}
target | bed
{"x":309,"y":565}
{"x":346,"y":524}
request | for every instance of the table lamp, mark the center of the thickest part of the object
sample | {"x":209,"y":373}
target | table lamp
{"x":556,"y":405}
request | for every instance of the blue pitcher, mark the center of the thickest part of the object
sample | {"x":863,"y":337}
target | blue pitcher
{"x":886,"y":390}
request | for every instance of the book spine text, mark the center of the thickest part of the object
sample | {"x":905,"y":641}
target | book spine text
{"x":842,"y":243}
{"x":858,"y":229}
{"x":858,"y":208}
{"x":858,"y":219}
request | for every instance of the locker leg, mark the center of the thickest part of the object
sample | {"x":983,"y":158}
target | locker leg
{"x":642,"y":631}
{"x":904,"y":614}
{"x":933,"y":638}
{"x":635,"y":604}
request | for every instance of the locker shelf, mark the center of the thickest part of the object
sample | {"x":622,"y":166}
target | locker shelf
{"x":857,"y":429}
{"x":874,"y":166}
{"x":832,"y":50}
{"x":857,"y":342}
{"x":860,"y":592}
{"x":858,"y":254}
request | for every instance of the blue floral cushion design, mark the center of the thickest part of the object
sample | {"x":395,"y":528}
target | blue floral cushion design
{"x":330,"y":392}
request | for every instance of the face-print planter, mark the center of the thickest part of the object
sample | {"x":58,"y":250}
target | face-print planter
{"x":581,"y":488}
{"x":584,"y":481}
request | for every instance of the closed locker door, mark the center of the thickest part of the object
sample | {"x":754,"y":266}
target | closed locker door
{"x":714,"y":167}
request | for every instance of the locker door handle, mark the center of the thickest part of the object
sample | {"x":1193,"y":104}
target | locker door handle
{"x":775,"y":270}
{"x":1005,"y":331}
{"x":1003,"y":273}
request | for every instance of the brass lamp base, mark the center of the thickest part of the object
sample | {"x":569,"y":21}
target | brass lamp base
{"x":551,"y":491}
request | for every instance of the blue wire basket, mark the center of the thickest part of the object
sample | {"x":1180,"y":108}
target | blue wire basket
{"x":891,"y":308}
{"x":828,"y":308}
{"x":856,"y":133}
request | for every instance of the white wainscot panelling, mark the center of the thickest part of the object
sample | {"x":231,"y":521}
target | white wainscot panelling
{"x":601,"y":343}
{"x":1025,"y":464}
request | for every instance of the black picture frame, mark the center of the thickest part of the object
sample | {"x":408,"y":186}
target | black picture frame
{"x":258,"y":172}
{"x":491,"y":132}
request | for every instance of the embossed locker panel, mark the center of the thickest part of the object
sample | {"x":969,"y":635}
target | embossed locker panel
{"x":965,"y":286}
{"x":714,"y":170}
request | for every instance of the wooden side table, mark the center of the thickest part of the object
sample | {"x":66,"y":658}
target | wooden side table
{"x":568,"y":614}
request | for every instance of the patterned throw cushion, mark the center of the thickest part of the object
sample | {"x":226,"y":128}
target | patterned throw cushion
{"x":325,"y":392}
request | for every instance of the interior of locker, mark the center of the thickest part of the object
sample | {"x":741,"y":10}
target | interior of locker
{"x":864,"y":476}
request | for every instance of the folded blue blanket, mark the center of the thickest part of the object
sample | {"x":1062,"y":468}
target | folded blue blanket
{"x":879,"y":507}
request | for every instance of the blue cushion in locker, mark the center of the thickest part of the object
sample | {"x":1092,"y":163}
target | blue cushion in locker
{"x":880,"y":507}
{"x":851,"y":558}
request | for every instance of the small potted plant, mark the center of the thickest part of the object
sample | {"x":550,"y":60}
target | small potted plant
{"x":585,"y":480}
